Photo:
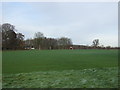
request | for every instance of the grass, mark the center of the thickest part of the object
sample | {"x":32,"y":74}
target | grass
{"x":60,"y":69}
{"x":85,"y":78}
{"x":48,"y":60}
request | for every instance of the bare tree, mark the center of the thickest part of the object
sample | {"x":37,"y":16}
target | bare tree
{"x":8,"y":36}
{"x":64,"y":41}
{"x":39,"y":35}
{"x":96,"y":42}
{"x":10,"y":39}
{"x":20,"y":43}
{"x":38,"y":40}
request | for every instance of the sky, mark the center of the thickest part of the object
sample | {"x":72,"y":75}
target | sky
{"x":81,"y":21}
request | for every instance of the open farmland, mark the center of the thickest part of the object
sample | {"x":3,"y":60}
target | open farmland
{"x":60,"y":68}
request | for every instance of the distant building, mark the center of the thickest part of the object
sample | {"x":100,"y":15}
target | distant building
{"x":32,"y":48}
{"x":71,"y":47}
{"x":29,"y":48}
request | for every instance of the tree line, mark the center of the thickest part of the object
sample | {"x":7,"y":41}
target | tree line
{"x":41,"y":42}
{"x":13,"y":40}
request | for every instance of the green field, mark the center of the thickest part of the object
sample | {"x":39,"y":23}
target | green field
{"x":60,"y":68}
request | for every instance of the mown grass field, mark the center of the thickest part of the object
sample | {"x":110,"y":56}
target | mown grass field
{"x":60,"y":68}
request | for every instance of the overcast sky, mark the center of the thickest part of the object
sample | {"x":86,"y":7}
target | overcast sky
{"x":82,"y":22}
